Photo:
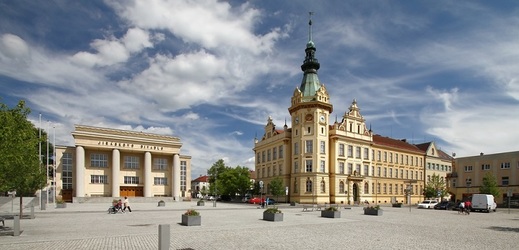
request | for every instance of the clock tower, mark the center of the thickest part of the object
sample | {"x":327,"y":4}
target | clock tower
{"x":310,"y":110}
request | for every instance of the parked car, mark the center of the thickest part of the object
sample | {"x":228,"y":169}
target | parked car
{"x":256,"y":200}
{"x":444,"y":205}
{"x":483,"y":202}
{"x":427,"y":204}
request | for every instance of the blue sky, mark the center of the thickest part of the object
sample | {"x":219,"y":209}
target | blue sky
{"x":211,"y":72}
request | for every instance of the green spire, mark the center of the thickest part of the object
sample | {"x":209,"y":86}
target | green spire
{"x":310,"y":83}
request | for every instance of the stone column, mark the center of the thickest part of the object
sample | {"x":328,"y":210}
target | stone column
{"x":148,"y":179}
{"x":80,"y":171}
{"x":116,"y":168}
{"x":175,"y":180}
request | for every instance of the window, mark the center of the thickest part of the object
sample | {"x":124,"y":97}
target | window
{"x":390,"y":173}
{"x":505,"y":165}
{"x":341,"y":187}
{"x":131,"y":162}
{"x":99,"y":179}
{"x":280,"y":169}
{"x":323,"y":147}
{"x":372,"y":154}
{"x":357,"y":168}
{"x":309,"y":131}
{"x":258,"y":158}
{"x":390,"y":188}
{"x":341,"y":149}
{"x":379,"y":172}
{"x":308,"y":166}
{"x":366,"y":188}
{"x":281,"y":152}
{"x":385,"y":172}
{"x":66,"y":160}
{"x":99,"y":160}
{"x":401,"y":174}
{"x":504,"y":180}
{"x":350,"y":151}
{"x":379,"y":155}
{"x":308,"y":186}
{"x":390,"y":157}
{"x":396,"y":158}
{"x":412,"y":175}
{"x":378,"y":188}
{"x":357,"y":152}
{"x":160,"y":163}
{"x":183,"y":174}
{"x":385,"y":188}
{"x":385,"y":156}
{"x":468,"y":168}
{"x":350,"y":168}
{"x":296,"y":148}
{"x":268,"y":155}
{"x":131,"y":180}
{"x":366,"y":170}
{"x":366,"y":153}
{"x":309,"y":146}
{"x":296,"y":167}
{"x":322,"y":166}
{"x":372,"y":171}
{"x":274,"y":153}
{"x":160,"y":181}
{"x":296,"y":187}
{"x":468,"y":182}
{"x":407,"y":174}
{"x":341,"y":167}
{"x":262,"y":156}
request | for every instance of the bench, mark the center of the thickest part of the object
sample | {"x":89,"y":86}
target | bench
{"x":308,"y":208}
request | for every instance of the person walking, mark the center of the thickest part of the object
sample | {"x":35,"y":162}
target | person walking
{"x":127,"y":204}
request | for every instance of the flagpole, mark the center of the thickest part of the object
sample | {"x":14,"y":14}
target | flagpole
{"x":47,"y":174}
{"x":54,"y":164}
{"x":39,"y":157}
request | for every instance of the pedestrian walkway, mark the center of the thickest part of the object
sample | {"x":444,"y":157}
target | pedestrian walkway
{"x":240,"y":226}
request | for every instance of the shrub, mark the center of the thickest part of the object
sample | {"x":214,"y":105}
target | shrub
{"x":273,"y":210}
{"x":192,"y":212}
{"x":332,"y":209}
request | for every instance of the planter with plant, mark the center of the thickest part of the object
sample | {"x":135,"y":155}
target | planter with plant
{"x":331,"y":212}
{"x":162,"y":203}
{"x":373,"y":210}
{"x":60,"y":203}
{"x":272,"y":214}
{"x":191,"y":218}
{"x":200,"y":202}
{"x":398,"y":204}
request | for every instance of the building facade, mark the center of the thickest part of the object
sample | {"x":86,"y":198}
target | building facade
{"x":341,"y":162}
{"x":468,"y":174}
{"x":115,"y":163}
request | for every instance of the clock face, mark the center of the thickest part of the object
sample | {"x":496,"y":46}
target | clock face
{"x":297,"y":120}
{"x":309,"y":117}
{"x":321,"y":118}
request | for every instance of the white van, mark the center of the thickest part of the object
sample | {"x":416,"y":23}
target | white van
{"x":483,"y":202}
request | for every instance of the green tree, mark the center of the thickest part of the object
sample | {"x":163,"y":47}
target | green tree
{"x":276,"y":187}
{"x":20,"y":167}
{"x":214,"y":173}
{"x":228,"y":181}
{"x":435,"y":185}
{"x":243,"y":183}
{"x":489,"y":185}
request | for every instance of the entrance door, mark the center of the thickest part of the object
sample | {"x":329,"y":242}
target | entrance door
{"x":131,"y":191}
{"x":355,"y":193}
{"x":66,"y":195}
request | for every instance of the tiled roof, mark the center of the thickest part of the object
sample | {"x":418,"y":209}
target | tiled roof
{"x":203,"y":178}
{"x":444,"y":155}
{"x":401,"y":144}
{"x":423,"y":146}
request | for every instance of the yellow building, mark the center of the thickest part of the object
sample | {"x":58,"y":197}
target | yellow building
{"x":115,"y":163}
{"x":468,"y":174}
{"x":342,"y":162}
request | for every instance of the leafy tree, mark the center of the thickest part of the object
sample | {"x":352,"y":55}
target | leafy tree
{"x":20,"y":167}
{"x":276,"y":187}
{"x":256,"y":190}
{"x":228,"y":181}
{"x":435,"y":185}
{"x":489,"y":185}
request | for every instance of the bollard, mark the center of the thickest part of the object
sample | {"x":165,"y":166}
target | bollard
{"x":164,"y":237}
{"x":32,"y":212}
{"x":16,"y":226}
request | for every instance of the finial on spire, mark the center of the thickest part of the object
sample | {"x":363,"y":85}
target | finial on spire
{"x":310,"y":25}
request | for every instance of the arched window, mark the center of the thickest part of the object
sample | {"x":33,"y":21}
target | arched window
{"x":308,"y":186}
{"x":341,"y":187}
{"x":366,"y":188}
{"x":323,"y":187}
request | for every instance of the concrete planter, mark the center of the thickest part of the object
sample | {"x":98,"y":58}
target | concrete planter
{"x":191,"y":220}
{"x":397,"y":204}
{"x":161,"y":204}
{"x":330,"y":214}
{"x":272,"y":216}
{"x":200,"y":203}
{"x":371,"y":211}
